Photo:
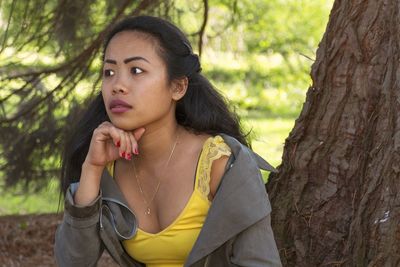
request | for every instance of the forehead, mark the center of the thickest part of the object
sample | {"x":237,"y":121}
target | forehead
{"x":127,"y":44}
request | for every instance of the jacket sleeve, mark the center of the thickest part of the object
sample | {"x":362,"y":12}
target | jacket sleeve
{"x":256,"y":247}
{"x":77,"y":240}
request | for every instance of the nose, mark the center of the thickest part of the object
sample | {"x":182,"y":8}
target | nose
{"x":119,"y":87}
{"x":119,"y":90}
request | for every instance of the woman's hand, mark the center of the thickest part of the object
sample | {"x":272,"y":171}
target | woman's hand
{"x":109,"y":143}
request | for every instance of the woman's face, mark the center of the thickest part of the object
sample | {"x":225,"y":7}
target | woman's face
{"x":135,"y":85}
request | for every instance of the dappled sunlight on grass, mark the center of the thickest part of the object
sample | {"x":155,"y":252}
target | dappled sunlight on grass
{"x":269,"y":136}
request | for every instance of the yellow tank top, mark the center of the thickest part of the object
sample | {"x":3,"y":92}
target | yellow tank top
{"x":171,"y":246}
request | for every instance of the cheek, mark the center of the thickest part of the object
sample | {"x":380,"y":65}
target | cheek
{"x":106,"y":87}
{"x":154,"y":89}
{"x":160,"y":99}
{"x":103,"y":93}
{"x":154,"y":102}
{"x":106,"y":97}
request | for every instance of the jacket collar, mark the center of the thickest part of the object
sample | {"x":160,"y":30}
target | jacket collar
{"x":110,"y":190}
{"x":124,"y":219}
{"x":240,"y":201}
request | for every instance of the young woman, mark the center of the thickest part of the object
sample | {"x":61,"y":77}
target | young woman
{"x":158,"y":171}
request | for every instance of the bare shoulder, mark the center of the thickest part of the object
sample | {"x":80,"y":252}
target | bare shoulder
{"x":196,"y":139}
{"x":217,"y":171}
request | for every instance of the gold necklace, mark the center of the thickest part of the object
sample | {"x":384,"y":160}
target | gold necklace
{"x":148,"y":210}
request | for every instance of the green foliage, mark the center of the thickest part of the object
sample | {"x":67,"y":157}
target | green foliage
{"x":260,"y":83}
{"x":284,"y":26}
{"x":263,"y":60}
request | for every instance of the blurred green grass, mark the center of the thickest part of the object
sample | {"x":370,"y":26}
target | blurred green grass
{"x":269,"y":135}
{"x":45,"y":201}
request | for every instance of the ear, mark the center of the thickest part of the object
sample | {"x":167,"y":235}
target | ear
{"x":179,"y":88}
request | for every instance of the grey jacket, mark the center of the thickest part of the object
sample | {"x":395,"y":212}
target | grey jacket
{"x":236,"y":232}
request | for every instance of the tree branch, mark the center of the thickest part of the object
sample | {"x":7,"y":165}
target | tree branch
{"x":203,"y":26}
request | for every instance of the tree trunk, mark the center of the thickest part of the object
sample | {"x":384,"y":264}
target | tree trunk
{"x":336,"y":198}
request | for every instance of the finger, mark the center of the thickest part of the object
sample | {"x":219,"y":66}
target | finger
{"x":128,"y":146}
{"x":124,"y":141}
{"x":105,"y":132}
{"x":115,"y":134}
{"x":135,"y":148}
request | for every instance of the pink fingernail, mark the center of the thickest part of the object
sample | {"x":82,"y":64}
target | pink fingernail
{"x":123,"y":154}
{"x":136,"y":152}
{"x":118,"y":144}
{"x":128,"y":156}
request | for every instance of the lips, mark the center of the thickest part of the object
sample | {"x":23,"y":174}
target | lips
{"x":119,"y":106}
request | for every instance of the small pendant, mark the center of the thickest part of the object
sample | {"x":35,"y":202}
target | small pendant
{"x":147,"y":212}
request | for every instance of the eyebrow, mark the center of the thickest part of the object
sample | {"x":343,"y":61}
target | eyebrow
{"x":126,"y":61}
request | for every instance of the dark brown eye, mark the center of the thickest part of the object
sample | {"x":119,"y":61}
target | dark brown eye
{"x":108,"y":73}
{"x":136,"y":70}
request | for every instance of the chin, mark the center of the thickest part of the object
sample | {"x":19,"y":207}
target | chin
{"x":123,"y":124}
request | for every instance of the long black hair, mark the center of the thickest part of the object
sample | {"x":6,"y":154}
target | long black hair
{"x":202,"y":110}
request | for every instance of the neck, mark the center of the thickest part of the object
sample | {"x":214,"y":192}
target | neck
{"x":156,"y":144}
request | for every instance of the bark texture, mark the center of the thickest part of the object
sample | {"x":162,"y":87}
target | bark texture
{"x":336,"y":198}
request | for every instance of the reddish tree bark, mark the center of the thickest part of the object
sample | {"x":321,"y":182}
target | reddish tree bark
{"x":336,"y":198}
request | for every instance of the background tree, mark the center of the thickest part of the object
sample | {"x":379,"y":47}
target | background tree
{"x":336,"y":198}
